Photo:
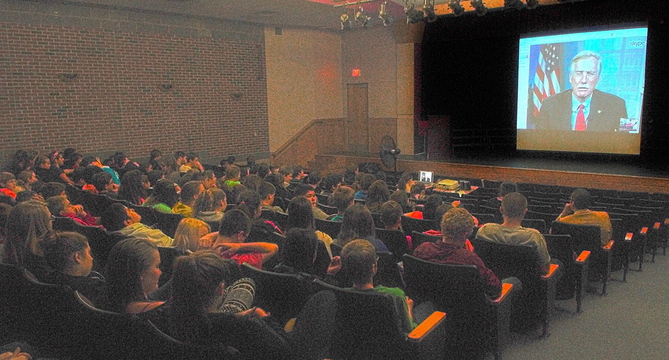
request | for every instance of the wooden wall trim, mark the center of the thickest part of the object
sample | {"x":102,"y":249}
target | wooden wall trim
{"x":537,"y":176}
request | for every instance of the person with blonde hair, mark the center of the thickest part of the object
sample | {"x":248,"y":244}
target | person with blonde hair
{"x":27,"y":224}
{"x":188,"y":234}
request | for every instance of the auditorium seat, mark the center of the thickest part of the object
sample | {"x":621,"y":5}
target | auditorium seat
{"x":574,"y":280}
{"x":588,"y":238}
{"x":366,"y":328}
{"x":535,"y":302}
{"x":475,"y":323}
{"x":282,"y":295}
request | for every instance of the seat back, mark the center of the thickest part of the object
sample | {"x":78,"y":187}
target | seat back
{"x":410,"y":225}
{"x":366,"y":326}
{"x":560,"y":247}
{"x":395,"y":241}
{"x":418,"y":238}
{"x":167,"y":256}
{"x":62,"y":223}
{"x":168,"y":222}
{"x":283,"y":295}
{"x":95,"y":204}
{"x":280,"y":219}
{"x":546,"y":217}
{"x":330,"y":210}
{"x":148,"y":214}
{"x":522,"y":262}
{"x":538,"y":224}
{"x":484,"y":218}
{"x":449,"y":287}
{"x":100,"y":241}
{"x":74,"y":193}
{"x":331,"y":228}
{"x":584,"y":237}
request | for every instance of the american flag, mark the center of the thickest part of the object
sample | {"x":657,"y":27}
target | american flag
{"x":547,"y":76}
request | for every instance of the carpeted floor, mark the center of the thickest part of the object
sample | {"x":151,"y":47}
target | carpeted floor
{"x":630,"y":322}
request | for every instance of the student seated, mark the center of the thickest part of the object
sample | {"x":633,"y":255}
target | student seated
{"x":125,"y":221}
{"x":165,"y":195}
{"x":197,"y":315}
{"x":188,"y":234}
{"x":60,"y":206}
{"x":341,"y":198}
{"x":210,"y":205}
{"x":132,"y":275}
{"x":358,"y":224}
{"x":69,"y":254}
{"x":229,"y":241}
{"x":359,"y":261}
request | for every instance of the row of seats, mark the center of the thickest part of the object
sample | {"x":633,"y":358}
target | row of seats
{"x":64,"y":324}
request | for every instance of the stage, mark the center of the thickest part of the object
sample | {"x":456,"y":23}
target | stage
{"x":603,"y":172}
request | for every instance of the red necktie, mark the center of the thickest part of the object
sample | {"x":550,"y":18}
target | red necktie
{"x":580,"y":119}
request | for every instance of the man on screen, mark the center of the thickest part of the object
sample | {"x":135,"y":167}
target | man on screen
{"x":583,"y":107}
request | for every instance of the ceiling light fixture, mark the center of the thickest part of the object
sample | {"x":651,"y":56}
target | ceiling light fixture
{"x":513,"y":4}
{"x":384,"y":15}
{"x":345,"y":22}
{"x":413,"y":14}
{"x":428,"y":10}
{"x":361,"y":18}
{"x":479,"y":7}
{"x":456,"y":7}
{"x":532,"y":4}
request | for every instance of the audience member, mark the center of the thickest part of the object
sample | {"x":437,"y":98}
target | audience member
{"x":358,"y":224}
{"x":188,"y":234}
{"x":405,"y":183}
{"x":195,"y":316}
{"x":164,"y":197}
{"x":402,"y":198}
{"x":300,"y":216}
{"x":366,"y":181}
{"x":359,"y":261}
{"x":208,"y":179}
{"x":210,"y":205}
{"x":69,"y":255}
{"x":60,"y":206}
{"x":26,"y":179}
{"x":52,"y":189}
{"x":377,"y":194}
{"x":132,"y":190}
{"x":8,"y":184}
{"x":132,"y":275}
{"x":154,"y":159}
{"x":27,"y":224}
{"x":267,"y":193}
{"x":456,"y":225}
{"x":229,"y":240}
{"x":577,"y":211}
{"x":308,"y":193}
{"x":330,"y":183}
{"x":506,"y":187}
{"x":341,"y":198}
{"x":189,"y":194}
{"x":514,"y":208}
{"x":125,"y":221}
{"x":103,"y":184}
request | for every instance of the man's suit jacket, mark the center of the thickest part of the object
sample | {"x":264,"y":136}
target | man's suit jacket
{"x":605,"y":112}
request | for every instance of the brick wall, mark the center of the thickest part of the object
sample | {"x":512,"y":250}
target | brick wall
{"x":101,"y":90}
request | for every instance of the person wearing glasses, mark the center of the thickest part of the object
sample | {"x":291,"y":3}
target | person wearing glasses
{"x":583,"y":107}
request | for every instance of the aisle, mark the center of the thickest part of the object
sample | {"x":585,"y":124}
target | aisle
{"x":630,"y":322}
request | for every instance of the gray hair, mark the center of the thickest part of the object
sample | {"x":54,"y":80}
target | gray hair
{"x":584,"y":55}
